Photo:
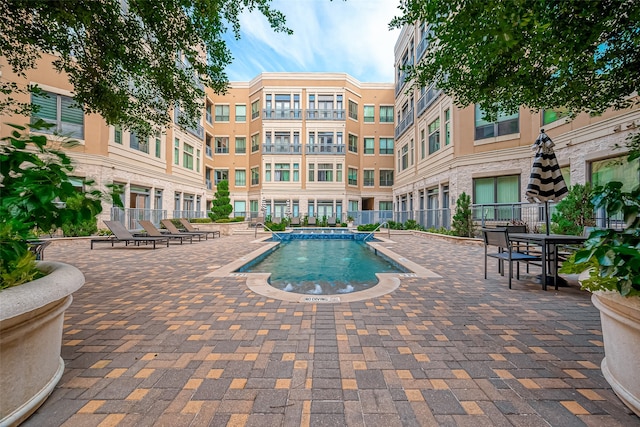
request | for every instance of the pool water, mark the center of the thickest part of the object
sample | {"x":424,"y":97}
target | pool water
{"x":322,"y":267}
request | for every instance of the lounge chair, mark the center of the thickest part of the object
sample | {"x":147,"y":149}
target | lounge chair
{"x":311,"y":221}
{"x":295,"y":221}
{"x":191,"y":229}
{"x":123,"y":235}
{"x":331,"y":221}
{"x":154,"y":232}
{"x":255,"y":221}
{"x":174,"y":230}
{"x":276,"y":220}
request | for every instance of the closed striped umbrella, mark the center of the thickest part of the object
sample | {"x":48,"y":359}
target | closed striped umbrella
{"x":545,"y":182}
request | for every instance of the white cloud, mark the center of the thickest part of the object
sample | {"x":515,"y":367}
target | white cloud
{"x":331,"y":36}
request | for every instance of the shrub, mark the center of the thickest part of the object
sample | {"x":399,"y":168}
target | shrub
{"x":85,"y":227}
{"x":574,"y":212}
{"x":221,"y":204}
{"x":462,"y":223}
{"x":200,"y":220}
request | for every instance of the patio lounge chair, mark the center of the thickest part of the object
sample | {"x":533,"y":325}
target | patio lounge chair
{"x":154,"y":232}
{"x":331,"y":221}
{"x":295,"y":221}
{"x":190,"y":228}
{"x":311,"y":221}
{"x":255,"y":221}
{"x":499,"y":237}
{"x":123,"y":235}
{"x":174,"y":230}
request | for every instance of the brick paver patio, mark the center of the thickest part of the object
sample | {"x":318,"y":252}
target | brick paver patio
{"x":151,"y":341}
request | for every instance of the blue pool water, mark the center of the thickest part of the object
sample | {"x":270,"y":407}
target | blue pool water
{"x":322,"y":266}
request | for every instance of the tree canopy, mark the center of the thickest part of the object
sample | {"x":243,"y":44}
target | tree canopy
{"x":130,"y":61}
{"x":577,"y":54}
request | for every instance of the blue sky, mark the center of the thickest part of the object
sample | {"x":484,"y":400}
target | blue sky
{"x":329,"y":36}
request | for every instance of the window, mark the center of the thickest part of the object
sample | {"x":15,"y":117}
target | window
{"x":296,"y":172}
{"x":136,"y":144}
{"x":222,"y":144}
{"x":255,"y":176}
{"x":386,"y":178}
{"x":505,"y":125}
{"x":386,"y":114}
{"x":434,"y":136}
{"x":198,"y":160}
{"x":255,"y":142}
{"x":267,"y":172}
{"x":386,"y":145}
{"x":411,"y":152}
{"x":404,"y":156}
{"x":325,"y":172}
{"x":59,"y":110}
{"x":550,"y":116}
{"x":369,"y":114}
{"x":352,"y":175}
{"x":312,"y":172}
{"x":353,"y":110}
{"x":241,"y":145}
{"x":208,"y":116}
{"x":500,"y":189}
{"x":241,"y":113}
{"x":255,"y":109}
{"x":158,"y":145}
{"x":339,"y":172}
{"x":221,"y":175}
{"x":447,"y":126}
{"x":117,"y":134}
{"x":187,"y":156}
{"x":176,"y":151}
{"x":241,"y":177}
{"x":369,"y":145}
{"x":385,"y":206}
{"x":615,"y":169}
{"x":281,"y":172}
{"x":353,"y":143}
{"x":368,"y":178}
{"x":423,"y":149}
{"x":222,"y":113}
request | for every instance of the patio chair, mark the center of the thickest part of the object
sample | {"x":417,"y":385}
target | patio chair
{"x":331,"y":221}
{"x":311,"y":221}
{"x":123,"y":235}
{"x":295,"y":221}
{"x":276,"y":220}
{"x":174,"y":230}
{"x":499,"y":237}
{"x":255,"y":221}
{"x":154,"y":232}
{"x":191,"y":229}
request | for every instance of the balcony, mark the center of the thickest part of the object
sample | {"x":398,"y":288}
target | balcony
{"x":325,"y":149}
{"x":282,"y":114}
{"x":197,"y":131}
{"x":427,"y":99}
{"x":325,"y":114}
{"x":209,"y":184}
{"x":404,"y":124}
{"x":208,"y":151}
{"x":281,"y":148}
{"x":421,"y":48}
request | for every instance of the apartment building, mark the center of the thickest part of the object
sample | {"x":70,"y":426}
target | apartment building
{"x":289,"y":144}
{"x":296,"y":144}
{"x":442,"y":150}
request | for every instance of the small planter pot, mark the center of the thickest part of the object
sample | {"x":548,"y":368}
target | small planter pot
{"x":31,"y":325}
{"x":620,"y":317}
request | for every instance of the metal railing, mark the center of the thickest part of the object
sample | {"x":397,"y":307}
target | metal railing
{"x":282,"y":114}
{"x":325,"y":114}
{"x":189,"y":214}
{"x":404,"y":124}
{"x":325,"y":149}
{"x":129,"y":217}
{"x":281,"y":148}
{"x":273,"y":233}
{"x":378,"y":228}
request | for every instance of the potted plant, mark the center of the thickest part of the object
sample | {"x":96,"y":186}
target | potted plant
{"x":609,"y":265}
{"x":34,"y":182}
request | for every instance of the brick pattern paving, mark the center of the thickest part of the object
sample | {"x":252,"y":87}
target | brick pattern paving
{"x":150,"y":341}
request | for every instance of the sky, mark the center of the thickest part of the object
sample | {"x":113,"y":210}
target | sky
{"x":350,"y":37}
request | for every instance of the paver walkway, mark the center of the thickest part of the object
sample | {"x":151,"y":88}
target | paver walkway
{"x":150,"y":341}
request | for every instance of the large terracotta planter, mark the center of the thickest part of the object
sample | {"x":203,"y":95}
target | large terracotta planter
{"x":31,"y":322}
{"x":620,"y":317}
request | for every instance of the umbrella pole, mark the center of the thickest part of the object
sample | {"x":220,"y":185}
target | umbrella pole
{"x":546,"y":216}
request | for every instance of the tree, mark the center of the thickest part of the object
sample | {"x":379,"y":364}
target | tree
{"x":462,"y":224}
{"x":132,"y":61}
{"x":221,"y":204}
{"x":577,"y":54}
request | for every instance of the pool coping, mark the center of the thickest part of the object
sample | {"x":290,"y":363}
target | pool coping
{"x":387,"y":282}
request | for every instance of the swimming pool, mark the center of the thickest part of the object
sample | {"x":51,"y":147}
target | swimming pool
{"x":322,"y":266}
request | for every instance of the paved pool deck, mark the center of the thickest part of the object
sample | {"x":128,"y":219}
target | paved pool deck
{"x":157,"y":338}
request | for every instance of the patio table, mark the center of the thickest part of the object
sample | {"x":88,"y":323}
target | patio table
{"x":548,"y":245}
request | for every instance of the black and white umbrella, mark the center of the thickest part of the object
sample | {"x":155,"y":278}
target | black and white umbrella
{"x":545,"y":182}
